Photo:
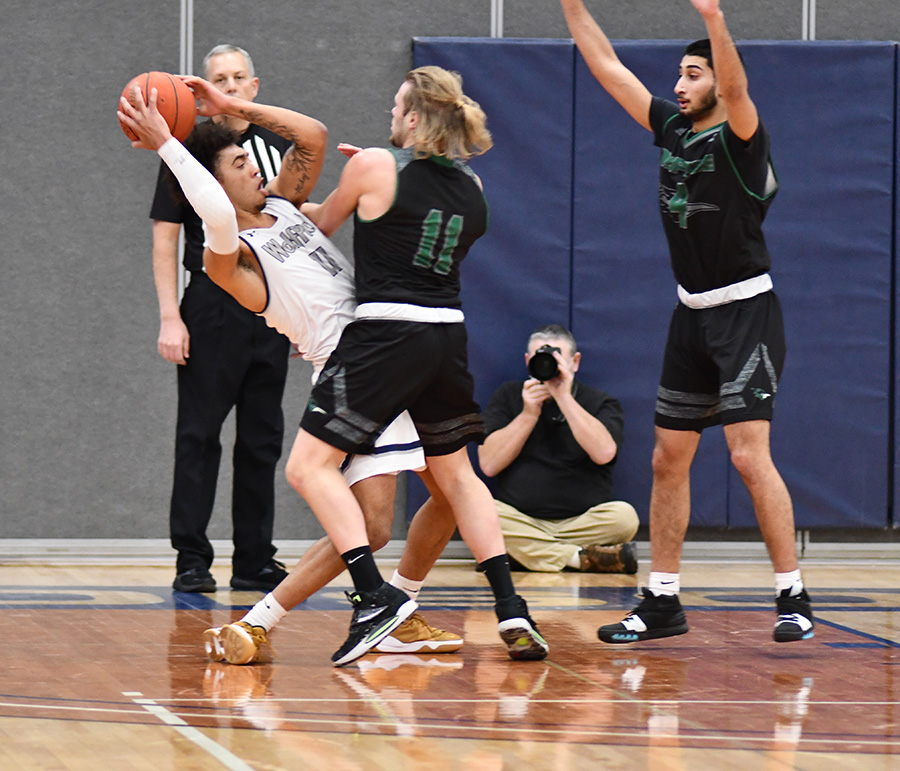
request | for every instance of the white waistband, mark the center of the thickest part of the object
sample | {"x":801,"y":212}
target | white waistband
{"x":742,"y":290}
{"x":406,"y":312}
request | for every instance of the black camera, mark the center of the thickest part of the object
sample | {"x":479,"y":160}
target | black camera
{"x":543,"y":365}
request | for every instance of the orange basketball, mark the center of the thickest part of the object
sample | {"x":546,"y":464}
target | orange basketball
{"x":175,"y":102}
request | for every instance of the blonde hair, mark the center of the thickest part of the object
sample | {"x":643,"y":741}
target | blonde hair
{"x":450,"y":123}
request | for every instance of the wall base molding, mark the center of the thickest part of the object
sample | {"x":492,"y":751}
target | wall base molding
{"x":158,"y":552}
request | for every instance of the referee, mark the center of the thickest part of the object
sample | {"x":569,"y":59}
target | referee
{"x":227,"y":358}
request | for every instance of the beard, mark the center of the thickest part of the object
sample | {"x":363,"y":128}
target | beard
{"x":706,"y":104}
{"x":397,"y":139}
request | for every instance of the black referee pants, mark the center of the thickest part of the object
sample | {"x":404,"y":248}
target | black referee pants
{"x":237,"y":361}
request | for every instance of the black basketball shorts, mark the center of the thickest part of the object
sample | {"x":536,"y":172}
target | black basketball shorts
{"x":722,"y":364}
{"x":382,"y":367}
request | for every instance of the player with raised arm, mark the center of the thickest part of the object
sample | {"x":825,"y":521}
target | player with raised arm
{"x":274,"y":261}
{"x":725,"y":350}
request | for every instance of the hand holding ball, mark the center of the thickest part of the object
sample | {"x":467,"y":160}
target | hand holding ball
{"x":174,"y":100}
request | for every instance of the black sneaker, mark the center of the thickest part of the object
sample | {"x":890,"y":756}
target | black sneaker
{"x":375,"y":615}
{"x":194,"y":580}
{"x":523,"y":640}
{"x":656,"y":616}
{"x":795,"y":618}
{"x":264,"y":581}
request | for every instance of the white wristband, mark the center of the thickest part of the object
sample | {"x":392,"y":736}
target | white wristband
{"x":205,"y":194}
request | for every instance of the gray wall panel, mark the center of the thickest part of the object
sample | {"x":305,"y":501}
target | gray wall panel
{"x":81,"y":405}
{"x":857,"y":20}
{"x":87,"y":418}
{"x":651,"y":19}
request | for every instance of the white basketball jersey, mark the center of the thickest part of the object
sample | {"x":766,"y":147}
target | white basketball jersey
{"x":309,"y":282}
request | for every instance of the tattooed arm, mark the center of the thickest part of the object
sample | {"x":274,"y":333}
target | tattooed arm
{"x":301,"y":164}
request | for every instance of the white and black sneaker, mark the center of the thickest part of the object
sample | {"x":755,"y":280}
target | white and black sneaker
{"x":795,"y":618}
{"x":375,"y":615}
{"x":657,"y":615}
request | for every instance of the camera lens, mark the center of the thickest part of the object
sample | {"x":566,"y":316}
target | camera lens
{"x":543,"y":365}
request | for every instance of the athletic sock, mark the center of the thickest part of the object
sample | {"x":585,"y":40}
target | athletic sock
{"x":266,"y":613}
{"x":790,"y":580}
{"x":496,"y":570}
{"x":406,"y":584}
{"x":363,"y":570}
{"x":664,"y":583}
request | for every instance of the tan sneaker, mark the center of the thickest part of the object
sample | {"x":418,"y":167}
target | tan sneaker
{"x":237,"y":643}
{"x":416,"y":635}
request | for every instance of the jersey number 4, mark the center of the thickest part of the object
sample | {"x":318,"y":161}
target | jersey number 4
{"x":425,"y":257}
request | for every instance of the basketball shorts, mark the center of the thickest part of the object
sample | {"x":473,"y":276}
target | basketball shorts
{"x":397,"y":449}
{"x":721,"y":364}
{"x":382,"y":367}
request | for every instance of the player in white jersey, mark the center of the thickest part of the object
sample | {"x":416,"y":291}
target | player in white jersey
{"x":308,"y":279}
{"x":271,"y":258}
{"x":309,"y":283}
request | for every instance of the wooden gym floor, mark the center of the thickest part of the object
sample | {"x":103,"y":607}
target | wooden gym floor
{"x":104,"y":668}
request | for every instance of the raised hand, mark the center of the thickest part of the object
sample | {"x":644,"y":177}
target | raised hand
{"x":144,"y":120}
{"x":706,"y":7}
{"x":210,"y":101}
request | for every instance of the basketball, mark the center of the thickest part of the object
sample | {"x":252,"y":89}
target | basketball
{"x":175,"y":102}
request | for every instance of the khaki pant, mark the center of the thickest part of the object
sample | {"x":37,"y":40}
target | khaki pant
{"x":547,"y":545}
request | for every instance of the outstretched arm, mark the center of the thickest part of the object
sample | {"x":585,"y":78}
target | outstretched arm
{"x":731,"y":79}
{"x":302,"y":164}
{"x":222,"y":257}
{"x":367,"y":185}
{"x":601,"y":58}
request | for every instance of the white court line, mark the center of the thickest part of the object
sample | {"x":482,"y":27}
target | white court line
{"x":224,"y":756}
{"x":630,"y":699}
{"x":401,"y":700}
{"x":582,"y":734}
{"x":233,"y":762}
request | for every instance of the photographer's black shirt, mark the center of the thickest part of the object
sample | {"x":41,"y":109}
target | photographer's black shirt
{"x":553,"y":477}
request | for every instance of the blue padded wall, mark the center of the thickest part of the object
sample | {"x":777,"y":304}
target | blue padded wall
{"x":895,"y":522}
{"x":829,"y":231}
{"x":831,"y":110}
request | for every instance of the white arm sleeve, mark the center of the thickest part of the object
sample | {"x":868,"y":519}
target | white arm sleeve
{"x":206,"y":196}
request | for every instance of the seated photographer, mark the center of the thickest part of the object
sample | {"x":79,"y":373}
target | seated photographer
{"x":551,"y":445}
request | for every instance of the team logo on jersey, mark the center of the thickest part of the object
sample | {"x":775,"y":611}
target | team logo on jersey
{"x":676,"y":201}
{"x":290,"y":240}
{"x":675,"y":165}
{"x":679,"y":207}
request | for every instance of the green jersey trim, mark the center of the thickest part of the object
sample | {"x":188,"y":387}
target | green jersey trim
{"x":771,"y":184}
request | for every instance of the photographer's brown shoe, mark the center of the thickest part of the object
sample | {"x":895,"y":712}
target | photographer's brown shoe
{"x":620,"y":558}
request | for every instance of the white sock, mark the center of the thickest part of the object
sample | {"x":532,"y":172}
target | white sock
{"x":266,"y":613}
{"x":790,"y":581}
{"x":406,"y":584}
{"x":575,"y":559}
{"x":664,"y":583}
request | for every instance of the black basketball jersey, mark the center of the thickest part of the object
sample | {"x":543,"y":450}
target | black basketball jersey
{"x":411,"y":254}
{"x":714,"y":192}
